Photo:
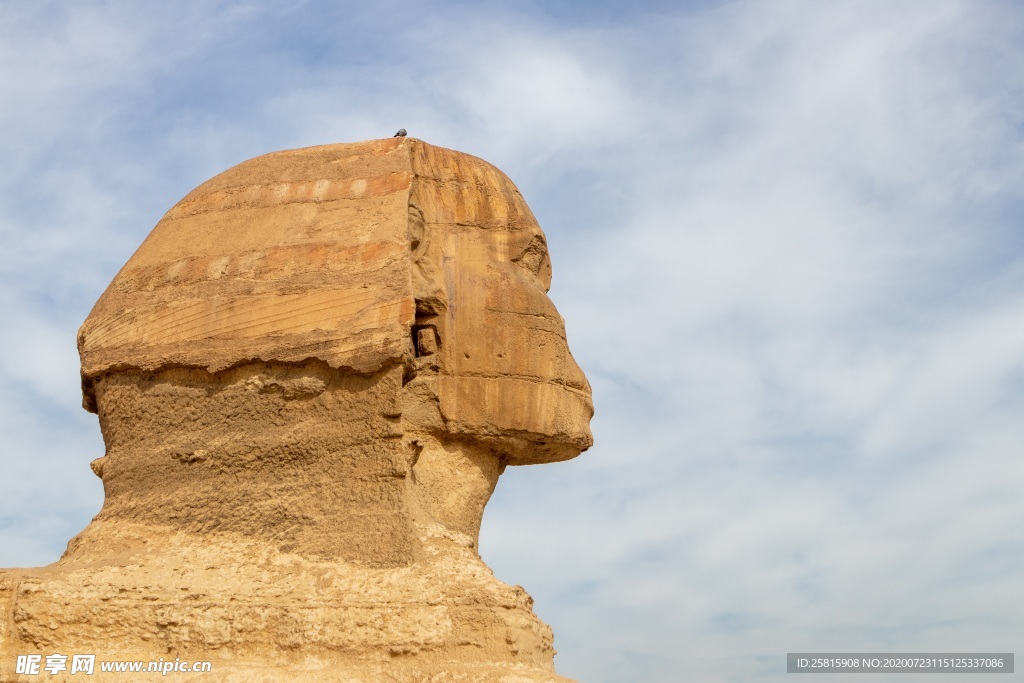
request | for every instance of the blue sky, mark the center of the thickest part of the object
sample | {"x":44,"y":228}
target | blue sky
{"x":787,"y":240}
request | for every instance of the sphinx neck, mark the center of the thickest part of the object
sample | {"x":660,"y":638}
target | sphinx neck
{"x":450,"y":484}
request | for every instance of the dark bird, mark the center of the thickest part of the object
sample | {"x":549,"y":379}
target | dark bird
{"x":401,"y":133}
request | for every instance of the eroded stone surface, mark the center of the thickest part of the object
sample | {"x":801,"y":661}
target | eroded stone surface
{"x":309,"y":378}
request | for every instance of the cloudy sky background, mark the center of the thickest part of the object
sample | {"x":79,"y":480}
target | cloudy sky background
{"x":788,"y":243}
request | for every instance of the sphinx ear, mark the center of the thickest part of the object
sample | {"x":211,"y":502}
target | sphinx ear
{"x":427,"y":284}
{"x":428,"y":292}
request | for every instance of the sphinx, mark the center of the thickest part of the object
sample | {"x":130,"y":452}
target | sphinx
{"x":309,"y":378}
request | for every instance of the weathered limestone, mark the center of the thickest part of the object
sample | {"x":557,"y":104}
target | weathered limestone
{"x":309,"y":378}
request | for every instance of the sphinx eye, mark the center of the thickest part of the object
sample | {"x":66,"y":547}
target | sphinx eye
{"x":533,"y":257}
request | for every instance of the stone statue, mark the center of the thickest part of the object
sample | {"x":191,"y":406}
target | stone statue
{"x":309,"y":378}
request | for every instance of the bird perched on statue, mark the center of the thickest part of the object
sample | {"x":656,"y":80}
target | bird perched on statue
{"x":401,"y":133}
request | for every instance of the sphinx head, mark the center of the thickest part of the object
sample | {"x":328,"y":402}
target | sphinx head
{"x":413,"y":269}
